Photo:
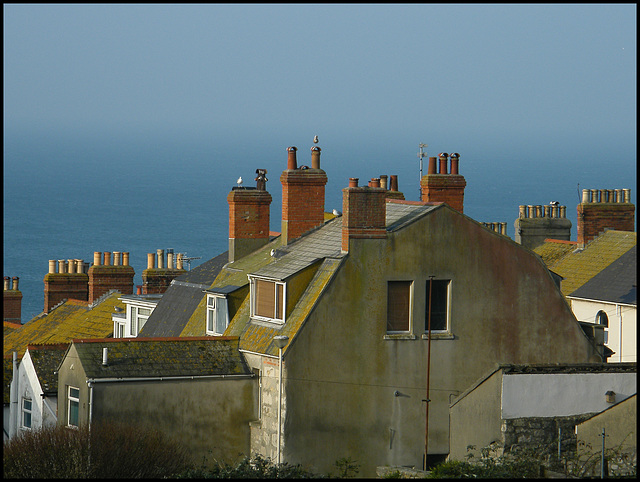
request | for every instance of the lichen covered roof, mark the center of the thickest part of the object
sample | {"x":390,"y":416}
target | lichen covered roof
{"x":72,"y":319}
{"x":161,"y":357}
{"x":581,"y":265}
{"x":553,"y":250}
{"x":46,"y":359}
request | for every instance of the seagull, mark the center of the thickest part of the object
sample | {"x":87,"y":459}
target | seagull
{"x":554,"y":203}
{"x":336,"y":212}
{"x":315,"y":139}
{"x":239,"y":181}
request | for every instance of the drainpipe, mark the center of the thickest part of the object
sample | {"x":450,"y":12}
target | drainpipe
{"x":619,"y":313}
{"x":426,"y":429}
{"x":13,"y":410}
{"x":90,"y":402}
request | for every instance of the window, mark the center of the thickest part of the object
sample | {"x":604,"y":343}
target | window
{"x":73,"y":406}
{"x":217,"y":315}
{"x":603,"y":319}
{"x":139,"y":317}
{"x":439,"y":305}
{"x":119,"y":330}
{"x":398,"y":306}
{"x":267,"y":300}
{"x":26,"y":413}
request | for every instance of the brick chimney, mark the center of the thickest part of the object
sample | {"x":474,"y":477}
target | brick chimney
{"x":12,"y":301}
{"x":104,"y":276}
{"x":602,"y":209}
{"x":391,"y":186}
{"x":444,"y":186}
{"x":363,"y":212}
{"x":158,"y":275}
{"x":65,"y":280}
{"x":540,"y":222}
{"x":249,"y":217}
{"x":302,"y":196}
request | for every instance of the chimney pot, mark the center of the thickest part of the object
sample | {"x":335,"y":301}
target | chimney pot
{"x":7,"y":283}
{"x":151,"y":261}
{"x":595,"y":196}
{"x":292,"y":163}
{"x":455,"y":157}
{"x":353,"y":182}
{"x":532,"y":212}
{"x":383,"y":181}
{"x":315,"y":157}
{"x":627,"y":195}
{"x":586,"y":196}
{"x":547,"y":211}
{"x":179,"y":261}
{"x":107,"y":258}
{"x":619,"y":197}
{"x":96,"y":258}
{"x":138,"y":289}
{"x":432,"y":166}
{"x":116,"y":258}
{"x":52,"y":266}
{"x":71,"y":263}
{"x":62,"y":267}
{"x":375,"y":182}
{"x":80,"y":266}
{"x":125,"y":258}
{"x":169,"y":259}
{"x":261,"y":179}
{"x":538,"y":211}
{"x":443,"y":162}
{"x":15,"y":283}
{"x":160,"y":258}
{"x":523,"y":211}
{"x":394,"y":182}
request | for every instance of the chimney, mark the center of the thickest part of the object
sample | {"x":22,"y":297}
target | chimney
{"x":363,"y":213}
{"x":444,"y":186}
{"x":69,"y":282}
{"x":535,"y":223}
{"x":604,"y":209}
{"x":302,"y":196}
{"x":106,"y":277}
{"x":156,"y":280}
{"x":249,"y":211}
{"x":393,"y":192}
{"x":11,"y":301}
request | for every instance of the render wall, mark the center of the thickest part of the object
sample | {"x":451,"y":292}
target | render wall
{"x":343,"y":371}
{"x":210,"y":417}
{"x":623,"y":321}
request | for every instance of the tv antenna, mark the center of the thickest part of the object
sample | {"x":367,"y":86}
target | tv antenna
{"x":188,"y":259}
{"x":421,"y":154}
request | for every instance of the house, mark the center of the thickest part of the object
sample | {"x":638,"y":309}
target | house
{"x":535,"y":406}
{"x":373,"y":312}
{"x":598,"y":281}
{"x":610,"y":299}
{"x":618,"y":425}
{"x":35,"y":388}
{"x":198,"y":391}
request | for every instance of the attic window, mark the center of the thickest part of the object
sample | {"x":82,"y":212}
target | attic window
{"x":217,"y":315}
{"x":267,"y":300}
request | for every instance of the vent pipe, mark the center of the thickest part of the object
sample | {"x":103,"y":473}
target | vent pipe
{"x":104,"y":357}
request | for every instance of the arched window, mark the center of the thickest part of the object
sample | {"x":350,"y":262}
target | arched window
{"x":603,"y":319}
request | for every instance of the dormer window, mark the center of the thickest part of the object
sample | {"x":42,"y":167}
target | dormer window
{"x":268,"y":298}
{"x":217,"y":315}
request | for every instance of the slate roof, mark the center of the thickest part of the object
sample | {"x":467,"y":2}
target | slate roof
{"x":46,"y":359}
{"x":182,"y":297}
{"x":580,"y":265}
{"x":553,"y":250}
{"x":72,"y":319}
{"x":616,"y":283}
{"x":161,"y":357}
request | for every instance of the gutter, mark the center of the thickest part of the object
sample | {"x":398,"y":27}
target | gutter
{"x":162,"y":379}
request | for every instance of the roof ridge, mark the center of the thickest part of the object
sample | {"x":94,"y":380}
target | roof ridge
{"x":160,"y":338}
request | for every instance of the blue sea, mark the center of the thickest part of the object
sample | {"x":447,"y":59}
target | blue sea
{"x":68,"y":195}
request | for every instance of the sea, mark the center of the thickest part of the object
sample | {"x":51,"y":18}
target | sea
{"x":66,"y":196}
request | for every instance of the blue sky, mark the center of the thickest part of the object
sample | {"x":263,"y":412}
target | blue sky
{"x":481,"y":72}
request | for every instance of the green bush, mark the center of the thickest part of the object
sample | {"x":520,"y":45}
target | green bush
{"x":107,"y":451}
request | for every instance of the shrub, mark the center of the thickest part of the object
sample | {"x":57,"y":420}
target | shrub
{"x":107,"y":451}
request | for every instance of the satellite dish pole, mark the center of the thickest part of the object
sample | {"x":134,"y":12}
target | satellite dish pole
{"x":420,"y":156}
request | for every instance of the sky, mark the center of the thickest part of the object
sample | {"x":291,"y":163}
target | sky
{"x":539,"y":87}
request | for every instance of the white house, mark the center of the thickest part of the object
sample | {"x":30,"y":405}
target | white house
{"x":128,"y":322}
{"x":610,"y":299}
{"x":34,"y":388}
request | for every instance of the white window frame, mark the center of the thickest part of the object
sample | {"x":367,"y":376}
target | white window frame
{"x":119,"y":329}
{"x":27,"y":412}
{"x":284,"y":300}
{"x":70,"y":400}
{"x":215,"y":303}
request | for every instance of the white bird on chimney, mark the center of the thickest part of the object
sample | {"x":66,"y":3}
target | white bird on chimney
{"x":315,"y":139}
{"x":239,"y":181}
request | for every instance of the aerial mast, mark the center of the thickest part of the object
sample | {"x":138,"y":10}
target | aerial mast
{"x":421,"y":154}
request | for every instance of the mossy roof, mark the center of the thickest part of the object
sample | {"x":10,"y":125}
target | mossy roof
{"x":46,"y":359}
{"x":9,"y":326}
{"x":553,"y":250}
{"x":72,"y":319}
{"x":161,"y":357}
{"x":581,"y":265}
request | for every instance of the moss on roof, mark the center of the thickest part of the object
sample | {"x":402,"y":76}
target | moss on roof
{"x":161,"y":357}
{"x":579,"y":266}
{"x":72,"y":319}
{"x":46,"y":359}
{"x":553,"y":250}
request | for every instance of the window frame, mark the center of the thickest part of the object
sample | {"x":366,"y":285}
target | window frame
{"x":26,"y":412}
{"x":601,"y":316}
{"x":213,"y":307}
{"x":447,"y":328}
{"x":70,"y":401}
{"x":410,"y":302}
{"x":279,"y":302}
